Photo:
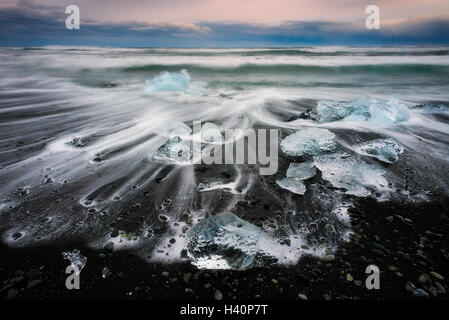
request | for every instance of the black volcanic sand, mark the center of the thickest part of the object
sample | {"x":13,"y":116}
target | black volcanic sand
{"x":406,"y":241}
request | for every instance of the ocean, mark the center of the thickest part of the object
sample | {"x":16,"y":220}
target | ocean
{"x":79,"y":128}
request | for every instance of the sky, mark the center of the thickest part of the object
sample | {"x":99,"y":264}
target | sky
{"x":223,"y":23}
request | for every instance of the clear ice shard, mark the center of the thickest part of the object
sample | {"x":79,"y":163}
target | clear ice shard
{"x":380,"y":112}
{"x":303,"y":171}
{"x":75,"y":142}
{"x":75,"y":258}
{"x":294,"y":185}
{"x":179,"y":129}
{"x":386,"y":150}
{"x":358,"y":178}
{"x":211,"y":133}
{"x":172,"y":81}
{"x":225,"y":241}
{"x":308,"y":141}
{"x":175,"y":150}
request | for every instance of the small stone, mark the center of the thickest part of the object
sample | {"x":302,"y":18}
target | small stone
{"x":187,"y":277}
{"x":218,"y":295}
{"x":165,"y":274}
{"x":16,"y":235}
{"x":409,"y":287}
{"x":420,"y":293}
{"x":172,"y":240}
{"x":207,"y":285}
{"x":437,"y":275}
{"x":274,"y":281}
{"x":34,"y":283}
{"x":328,"y":258}
{"x":302,"y":296}
{"x":109,"y":246}
{"x":349,"y":277}
{"x":12,"y":293}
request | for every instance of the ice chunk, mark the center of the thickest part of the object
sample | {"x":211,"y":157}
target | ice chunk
{"x":76,"y":259}
{"x":386,"y":150}
{"x":328,"y":111}
{"x":432,"y":108}
{"x":302,"y":171}
{"x":211,"y":133}
{"x":179,"y":129}
{"x":358,"y":178}
{"x":294,"y":185}
{"x":225,"y":241}
{"x":364,"y":109}
{"x":172,"y":81}
{"x":175,"y":150}
{"x":308,"y":141}
{"x":75,"y":142}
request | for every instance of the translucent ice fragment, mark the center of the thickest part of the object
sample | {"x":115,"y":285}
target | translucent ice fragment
{"x":358,"y":178}
{"x":386,"y":150}
{"x":175,"y":150}
{"x":211,"y":133}
{"x":75,"y":142}
{"x":76,"y":259}
{"x":172,"y":81}
{"x":225,"y":241}
{"x":294,"y":185}
{"x":302,"y":171}
{"x":308,"y":141}
{"x":364,"y":109}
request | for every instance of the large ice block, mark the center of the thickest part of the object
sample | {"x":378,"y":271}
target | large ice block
{"x":172,"y":81}
{"x":380,"y":112}
{"x":357,"y":177}
{"x":225,"y":241}
{"x":308,"y":141}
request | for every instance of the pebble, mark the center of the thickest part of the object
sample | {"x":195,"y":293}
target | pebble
{"x":302,"y":296}
{"x":421,"y":293}
{"x":207,"y":285}
{"x":349,"y":277}
{"x":437,"y":275}
{"x":218,"y":295}
{"x":33,"y":283}
{"x":165,"y":274}
{"x":187,"y":277}
{"x":328,"y":258}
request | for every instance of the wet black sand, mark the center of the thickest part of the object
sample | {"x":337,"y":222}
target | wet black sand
{"x":406,"y":241}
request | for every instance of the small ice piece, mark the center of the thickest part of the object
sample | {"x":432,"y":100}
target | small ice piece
{"x":432,"y":108}
{"x":225,"y":241}
{"x":294,"y":185}
{"x":211,"y":133}
{"x":172,"y":81}
{"x":328,"y":111}
{"x":179,"y":129}
{"x":75,"y":142}
{"x":380,"y":112}
{"x":76,"y":259}
{"x":358,"y":178}
{"x":303,"y":171}
{"x":386,"y":150}
{"x":175,"y":150}
{"x":308,"y":141}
